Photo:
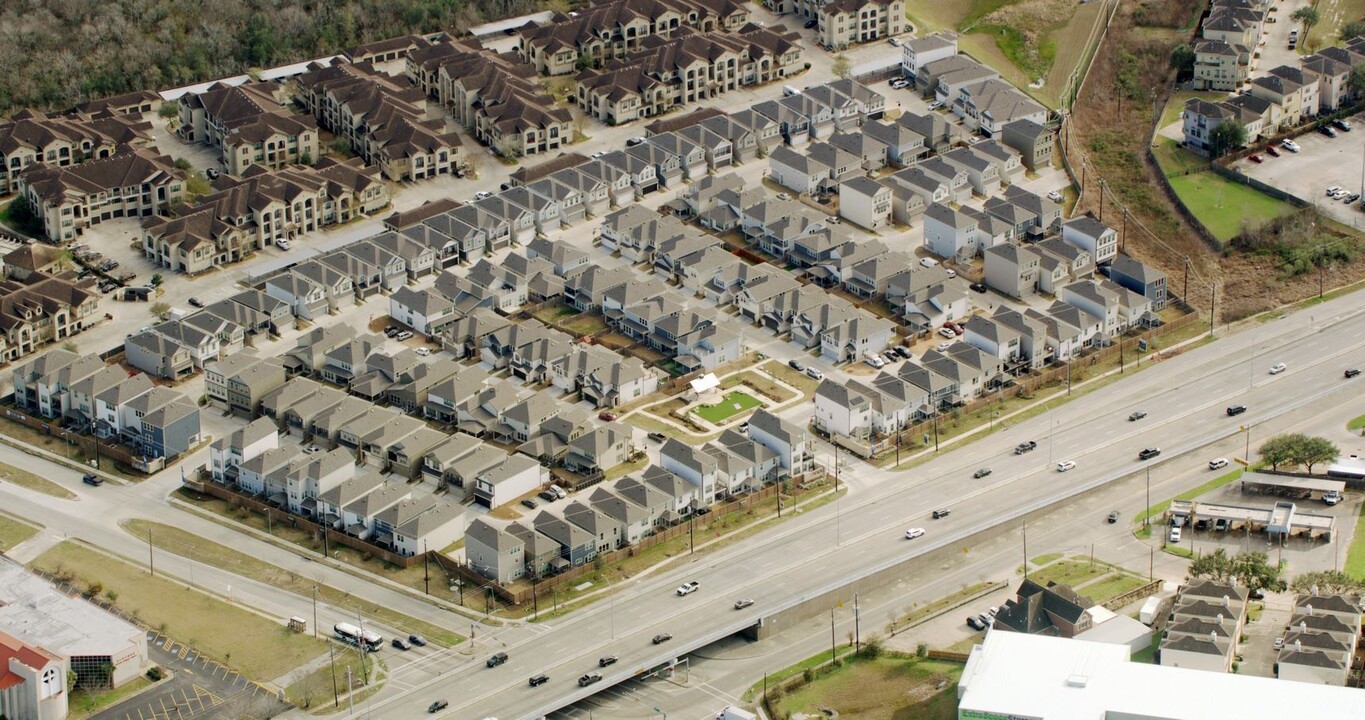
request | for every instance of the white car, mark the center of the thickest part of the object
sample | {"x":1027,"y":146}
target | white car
{"x":935,"y":105}
{"x":894,"y":41}
{"x":1332,"y":497}
{"x":1332,"y":191}
{"x":876,"y":362}
{"x":1290,"y":145}
{"x":482,"y":195}
{"x":943,"y":346}
{"x":951,"y":272}
{"x":688,"y":588}
{"x":927,"y":262}
{"x":1065,"y":465}
{"x":1175,"y":535}
{"x":1277,"y":368}
{"x":282,"y":244}
{"x":423,"y":352}
{"x":1055,"y":196}
{"x":913,"y":533}
{"x":783,"y":196}
{"x":1218,"y":463}
{"x":945,"y":332}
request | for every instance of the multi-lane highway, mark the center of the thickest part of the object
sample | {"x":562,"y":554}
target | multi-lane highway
{"x":1184,"y":397}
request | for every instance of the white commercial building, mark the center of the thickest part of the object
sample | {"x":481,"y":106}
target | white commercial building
{"x":1035,"y":677}
{"x":101,"y":649}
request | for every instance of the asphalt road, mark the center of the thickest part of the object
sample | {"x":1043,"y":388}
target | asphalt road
{"x":1185,"y":398}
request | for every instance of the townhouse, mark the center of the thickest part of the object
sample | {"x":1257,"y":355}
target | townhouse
{"x":1320,"y":639}
{"x":1206,"y":627}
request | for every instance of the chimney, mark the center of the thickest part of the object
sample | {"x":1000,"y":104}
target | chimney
{"x":1309,"y":608}
{"x":1220,"y":619}
{"x":1227,"y":601}
{"x":1298,"y":646}
{"x":1313,"y":591}
{"x":1213,"y":637}
{"x":1303,"y":626}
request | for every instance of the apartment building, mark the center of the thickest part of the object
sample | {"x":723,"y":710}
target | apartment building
{"x":30,"y":137}
{"x":131,"y":183}
{"x":250,"y":125}
{"x":842,"y":23}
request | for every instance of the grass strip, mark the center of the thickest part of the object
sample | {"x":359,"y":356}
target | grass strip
{"x":14,"y":531}
{"x":189,"y":545}
{"x":37,"y":483}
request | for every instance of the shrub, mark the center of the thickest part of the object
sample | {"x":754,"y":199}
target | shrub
{"x":922,"y":650}
{"x":155,"y":673}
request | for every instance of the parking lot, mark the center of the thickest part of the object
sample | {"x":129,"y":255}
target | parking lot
{"x":1322,"y":162}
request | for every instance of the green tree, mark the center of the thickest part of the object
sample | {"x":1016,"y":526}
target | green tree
{"x":168,"y":110}
{"x":842,"y":67}
{"x":1182,"y":59}
{"x":1228,"y":136}
{"x":1253,"y":571}
{"x":157,"y":280}
{"x":1307,"y":16}
{"x":159,"y":309}
{"x":1217,"y":566}
{"x":1310,"y":451}
{"x":1327,"y":582}
{"x":1351,"y":30}
{"x":1277,"y":451}
{"x":260,"y":42}
{"x":1357,"y":80}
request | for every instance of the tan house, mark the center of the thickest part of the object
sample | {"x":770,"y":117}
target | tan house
{"x":30,"y":137}
{"x":850,"y":22}
{"x":1294,"y":90}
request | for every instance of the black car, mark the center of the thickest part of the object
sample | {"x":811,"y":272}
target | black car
{"x":93,"y":480}
{"x":196,"y":302}
{"x":400,"y":644}
{"x":540,"y":679}
{"x":589,"y":679}
{"x":980,"y":473}
{"x":1236,"y":410}
{"x":1113,"y":517}
{"x":417,"y":640}
{"x":795,"y":365}
{"x":902,"y":351}
{"x":978,"y":287}
{"x":529,"y":503}
{"x":974,"y":623}
{"x":1352,"y":373}
{"x":1258,"y":594}
{"x":810,"y":24}
{"x":657,"y":436}
{"x":1137,"y":415}
{"x":605,"y":661}
{"x":547,"y":496}
{"x":497,"y":660}
{"x":1024,"y":447}
{"x":438,"y":706}
{"x":941,"y":513}
{"x":1328,"y":131}
{"x":661,"y":638}
{"x":1149,"y":453}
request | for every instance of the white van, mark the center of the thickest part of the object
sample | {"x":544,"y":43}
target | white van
{"x":790,"y":90}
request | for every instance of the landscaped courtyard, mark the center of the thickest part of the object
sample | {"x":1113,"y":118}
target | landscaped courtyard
{"x":733,"y":403}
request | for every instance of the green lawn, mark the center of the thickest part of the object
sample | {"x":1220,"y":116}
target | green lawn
{"x":1175,"y":160}
{"x":83,"y":703}
{"x":1106,"y":589}
{"x":1224,"y":206}
{"x":1148,"y":654}
{"x":1356,"y":424}
{"x":259,"y":648}
{"x":1213,"y":484}
{"x":1355,"y":554}
{"x":882,"y":688}
{"x":734,"y":403}
{"x":1069,"y":572}
{"x":1045,"y":559}
{"x":14,"y":531}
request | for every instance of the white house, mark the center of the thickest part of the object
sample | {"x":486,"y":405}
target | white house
{"x":919,"y":52}
{"x":1093,"y":236}
{"x":950,"y":233}
{"x":510,"y":479}
{"x":865,"y":201}
{"x":840,"y":411}
{"x":228,"y":453}
{"x":425,"y":311}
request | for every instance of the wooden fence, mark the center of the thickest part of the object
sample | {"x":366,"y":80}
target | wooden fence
{"x":89,"y":444}
{"x":284,"y":517}
{"x":1119,"y":601}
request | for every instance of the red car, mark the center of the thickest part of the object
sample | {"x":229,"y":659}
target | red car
{"x":1273,"y":152}
{"x":606,"y":416}
{"x":1255,"y":158}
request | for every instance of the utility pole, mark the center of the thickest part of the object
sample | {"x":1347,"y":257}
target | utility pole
{"x":315,"y":611}
{"x":1102,"y":198}
{"x":1213,"y":306}
{"x":691,"y":534}
{"x":350,"y":699}
{"x":151,"y":559}
{"x":1025,"y":529}
{"x":935,"y":429}
{"x":364,"y":671}
{"x":1123,"y":234}
{"x":332,"y":662}
{"x":836,"y":467}
{"x":1146,"y":516}
{"x":857,"y":627}
{"x":426,"y":569}
{"x":833,"y":642}
{"x":1068,"y":377}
